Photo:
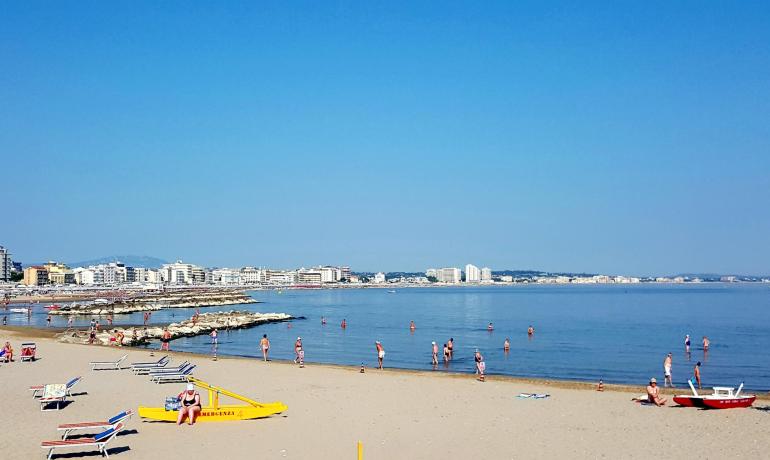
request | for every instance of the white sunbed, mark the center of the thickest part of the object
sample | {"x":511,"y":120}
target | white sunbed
{"x":107,"y":365}
{"x":169,"y":378}
{"x":99,"y":441}
{"x":67,"y":428}
{"x":162,"y":362}
{"x":174,"y":370}
{"x":37,"y":390}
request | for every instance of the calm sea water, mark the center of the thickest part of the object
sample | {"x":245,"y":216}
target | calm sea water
{"x":616,"y":333}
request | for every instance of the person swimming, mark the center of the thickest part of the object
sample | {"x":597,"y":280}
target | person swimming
{"x":411,"y":325}
{"x":531,"y":330}
{"x":490,"y":327}
{"x":323,"y":320}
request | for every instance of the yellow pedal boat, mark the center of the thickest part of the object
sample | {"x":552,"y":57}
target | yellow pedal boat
{"x":215,"y":412}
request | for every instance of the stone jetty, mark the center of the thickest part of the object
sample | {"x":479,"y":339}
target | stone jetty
{"x":204,"y":324}
{"x":156,"y":302}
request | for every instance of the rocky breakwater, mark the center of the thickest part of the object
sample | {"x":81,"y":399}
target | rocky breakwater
{"x":156,"y":302}
{"x":205,"y":323}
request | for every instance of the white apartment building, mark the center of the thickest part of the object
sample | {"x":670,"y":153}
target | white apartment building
{"x":5,"y":264}
{"x":451,"y":275}
{"x":251,"y":275}
{"x":486,"y":275}
{"x":177,"y":273}
{"x":280,"y":277}
{"x":311,"y":276}
{"x":226,"y":276}
{"x":85,"y":276}
{"x":379,"y":278}
{"x":431,"y":273}
{"x":472,"y":274}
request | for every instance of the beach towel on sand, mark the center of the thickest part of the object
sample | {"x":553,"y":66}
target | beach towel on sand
{"x":533,"y":396}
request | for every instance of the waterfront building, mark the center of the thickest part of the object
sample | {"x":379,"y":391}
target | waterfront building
{"x":177,"y":273}
{"x":85,"y":276}
{"x":59,"y":273}
{"x":450,"y":275}
{"x":486,"y":275}
{"x":6,"y":264}
{"x":250,"y":275}
{"x":472,"y":274}
{"x":310,"y":276}
{"x":345,"y":273}
{"x":506,"y":279}
{"x":379,"y":278}
{"x":431,"y":273}
{"x":226,"y":276}
{"x":35,"y":275}
{"x":280,"y":277}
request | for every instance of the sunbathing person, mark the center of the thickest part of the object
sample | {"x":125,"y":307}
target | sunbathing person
{"x":653,"y":393}
{"x":189,"y":405}
{"x":8,"y":349}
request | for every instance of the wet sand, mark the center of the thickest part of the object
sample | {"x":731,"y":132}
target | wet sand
{"x":394,"y":413}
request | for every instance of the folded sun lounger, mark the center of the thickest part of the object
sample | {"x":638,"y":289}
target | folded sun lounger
{"x":53,"y":393}
{"x":174,"y":370}
{"x":168,"y":378}
{"x":67,"y":428}
{"x":37,"y":390}
{"x":28,"y":351}
{"x":99,"y":441}
{"x":107,"y":365}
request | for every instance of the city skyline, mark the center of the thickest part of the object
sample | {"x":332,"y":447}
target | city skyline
{"x":575,"y":138}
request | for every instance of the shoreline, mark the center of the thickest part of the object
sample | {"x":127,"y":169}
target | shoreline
{"x":550,"y":382}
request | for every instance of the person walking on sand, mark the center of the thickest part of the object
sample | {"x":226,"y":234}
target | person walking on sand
{"x":668,"y":380}
{"x":434,"y":350}
{"x":69,"y":321}
{"x":706,"y":343}
{"x":687,"y":343}
{"x":653,"y":393}
{"x":380,"y":353}
{"x":299,"y":353}
{"x":264,"y":344}
{"x":696,"y":373}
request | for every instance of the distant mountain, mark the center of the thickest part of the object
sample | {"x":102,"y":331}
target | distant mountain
{"x":131,"y":261}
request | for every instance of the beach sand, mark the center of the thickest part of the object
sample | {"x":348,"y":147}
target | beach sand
{"x":395,"y":414}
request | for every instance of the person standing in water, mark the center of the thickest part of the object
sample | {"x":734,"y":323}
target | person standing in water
{"x":667,"y":371}
{"x":446,"y":354}
{"x":264,"y":344}
{"x":530,"y":330}
{"x":480,"y":365}
{"x":434,"y":351}
{"x":323,"y":320}
{"x":214,"y":339}
{"x":380,"y":353}
{"x":450,"y":346}
{"x":411,"y":326}
{"x":687,"y":343}
{"x":507,"y":345}
{"x":706,"y":343}
{"x":343,"y":324}
{"x":490,"y":328}
{"x":165,"y":339}
{"x":696,"y":373}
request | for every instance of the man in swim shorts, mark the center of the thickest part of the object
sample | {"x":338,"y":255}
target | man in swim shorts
{"x":667,"y":371}
{"x":380,"y":353}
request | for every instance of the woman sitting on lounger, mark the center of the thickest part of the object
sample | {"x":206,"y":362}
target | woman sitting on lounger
{"x":8,"y":349}
{"x":189,"y":405}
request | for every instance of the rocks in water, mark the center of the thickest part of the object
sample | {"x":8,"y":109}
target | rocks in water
{"x":204,"y":324}
{"x":156,"y":302}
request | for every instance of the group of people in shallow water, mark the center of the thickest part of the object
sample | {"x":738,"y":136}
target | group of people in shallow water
{"x":653,"y":391}
{"x":448,"y":349}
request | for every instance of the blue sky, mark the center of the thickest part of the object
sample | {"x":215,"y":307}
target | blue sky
{"x":623,"y":137}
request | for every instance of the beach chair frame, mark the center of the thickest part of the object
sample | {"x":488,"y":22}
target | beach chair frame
{"x":99,"y":441}
{"x":107,"y":365}
{"x":67,"y":428}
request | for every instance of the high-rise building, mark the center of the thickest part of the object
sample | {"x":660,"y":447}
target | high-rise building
{"x":450,"y":275}
{"x":5,"y":264}
{"x":472,"y":274}
{"x":35,"y":275}
{"x":486,"y":275}
{"x":345,"y":273}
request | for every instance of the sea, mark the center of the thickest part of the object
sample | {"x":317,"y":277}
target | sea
{"x":616,"y":333}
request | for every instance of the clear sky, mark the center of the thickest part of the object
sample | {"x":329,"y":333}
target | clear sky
{"x":622,"y":137}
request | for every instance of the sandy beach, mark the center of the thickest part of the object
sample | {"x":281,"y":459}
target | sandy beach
{"x":395,"y":414}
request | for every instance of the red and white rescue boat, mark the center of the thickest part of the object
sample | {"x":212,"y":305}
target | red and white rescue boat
{"x":722,"y":398}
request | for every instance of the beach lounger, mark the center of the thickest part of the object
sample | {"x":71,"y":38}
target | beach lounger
{"x":169,"y":378}
{"x":53,"y":393}
{"x":153,"y":365}
{"x":37,"y":390}
{"x":174,"y":370}
{"x":28,"y":351}
{"x":107,"y":365}
{"x":99,"y":441}
{"x":67,"y":428}
{"x":3,"y":358}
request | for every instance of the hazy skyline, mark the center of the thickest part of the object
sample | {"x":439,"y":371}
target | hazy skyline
{"x":590,"y":137}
